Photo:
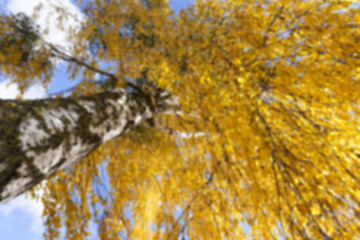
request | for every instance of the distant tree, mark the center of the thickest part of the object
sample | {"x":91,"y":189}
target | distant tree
{"x":257,"y":125}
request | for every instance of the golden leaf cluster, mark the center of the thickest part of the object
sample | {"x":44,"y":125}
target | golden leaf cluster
{"x":269,"y":94}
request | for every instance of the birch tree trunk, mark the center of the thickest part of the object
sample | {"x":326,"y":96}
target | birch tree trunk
{"x":40,"y":137}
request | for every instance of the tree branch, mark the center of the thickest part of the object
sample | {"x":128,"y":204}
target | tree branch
{"x":68,"y":58}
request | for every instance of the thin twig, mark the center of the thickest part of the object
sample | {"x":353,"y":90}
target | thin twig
{"x":66,"y":57}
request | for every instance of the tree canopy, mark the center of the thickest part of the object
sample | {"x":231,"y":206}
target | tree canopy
{"x":266,"y":141}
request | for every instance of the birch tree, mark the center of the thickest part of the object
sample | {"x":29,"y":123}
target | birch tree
{"x":40,"y":137}
{"x":261,"y":142}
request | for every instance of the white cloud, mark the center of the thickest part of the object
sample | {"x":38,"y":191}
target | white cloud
{"x":11,"y":91}
{"x":29,"y":206}
{"x":48,"y":18}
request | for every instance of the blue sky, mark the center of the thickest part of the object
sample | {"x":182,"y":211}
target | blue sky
{"x":20,"y":218}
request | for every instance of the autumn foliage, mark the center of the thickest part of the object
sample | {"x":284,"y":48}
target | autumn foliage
{"x":266,"y":144}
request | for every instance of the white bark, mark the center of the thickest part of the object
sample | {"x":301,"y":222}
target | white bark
{"x":40,"y":137}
